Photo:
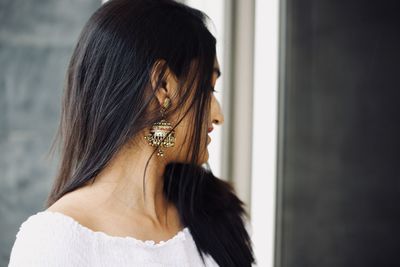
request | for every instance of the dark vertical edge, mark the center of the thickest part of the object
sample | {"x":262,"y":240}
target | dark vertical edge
{"x":282,"y":49}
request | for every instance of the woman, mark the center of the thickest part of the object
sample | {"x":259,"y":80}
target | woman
{"x":137,"y":109}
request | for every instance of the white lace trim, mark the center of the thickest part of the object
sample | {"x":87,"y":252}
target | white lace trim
{"x":180,"y":236}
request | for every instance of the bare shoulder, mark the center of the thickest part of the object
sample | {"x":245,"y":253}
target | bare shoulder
{"x":74,"y":205}
{"x":83,"y":205}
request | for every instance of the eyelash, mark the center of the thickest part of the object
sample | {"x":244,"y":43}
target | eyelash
{"x":213,"y":90}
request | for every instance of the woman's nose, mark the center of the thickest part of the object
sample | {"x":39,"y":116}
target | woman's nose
{"x":216,"y":112}
{"x":219,"y":119}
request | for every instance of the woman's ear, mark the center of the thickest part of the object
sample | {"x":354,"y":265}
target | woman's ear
{"x":163,"y":81}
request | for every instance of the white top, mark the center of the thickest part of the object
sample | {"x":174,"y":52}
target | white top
{"x":54,"y":239}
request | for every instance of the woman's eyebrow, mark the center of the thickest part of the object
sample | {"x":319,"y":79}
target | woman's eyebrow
{"x":217,"y":71}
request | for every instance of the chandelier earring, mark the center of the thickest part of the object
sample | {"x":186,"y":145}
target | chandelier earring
{"x":161,"y":134}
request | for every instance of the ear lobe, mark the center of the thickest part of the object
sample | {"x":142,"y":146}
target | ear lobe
{"x":161,"y":94}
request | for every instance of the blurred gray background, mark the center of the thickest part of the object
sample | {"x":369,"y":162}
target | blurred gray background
{"x":36,"y":42}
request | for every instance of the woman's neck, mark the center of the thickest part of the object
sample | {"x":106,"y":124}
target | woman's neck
{"x":120,"y":185}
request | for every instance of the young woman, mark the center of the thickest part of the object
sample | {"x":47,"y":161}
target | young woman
{"x":131,"y":188}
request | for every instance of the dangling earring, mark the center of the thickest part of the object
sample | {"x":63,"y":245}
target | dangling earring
{"x":161,"y":134}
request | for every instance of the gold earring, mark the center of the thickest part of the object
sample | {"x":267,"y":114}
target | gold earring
{"x":161,"y":133}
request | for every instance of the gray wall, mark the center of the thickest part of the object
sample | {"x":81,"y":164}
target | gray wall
{"x":340,"y":178}
{"x":36,"y":41}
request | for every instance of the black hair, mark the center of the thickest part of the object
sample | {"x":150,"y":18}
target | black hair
{"x":107,"y":101}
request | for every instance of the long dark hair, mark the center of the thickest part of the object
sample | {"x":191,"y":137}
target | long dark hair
{"x":107,"y":99}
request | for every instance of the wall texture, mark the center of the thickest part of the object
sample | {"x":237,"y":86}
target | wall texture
{"x":340,"y":181}
{"x":36,"y":42}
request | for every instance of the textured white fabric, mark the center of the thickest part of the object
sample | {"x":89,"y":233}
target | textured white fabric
{"x":50,"y":238}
